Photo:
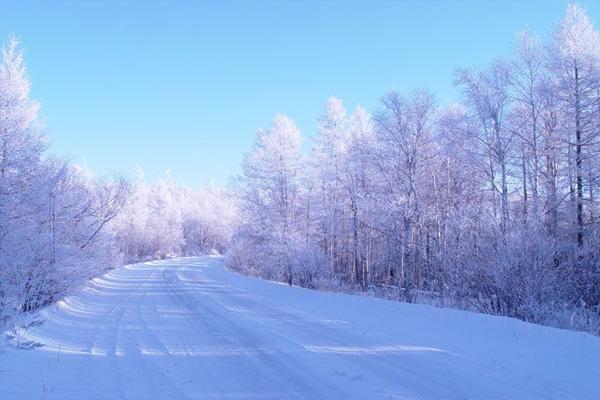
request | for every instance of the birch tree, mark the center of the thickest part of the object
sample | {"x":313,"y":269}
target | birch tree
{"x":575,"y":63}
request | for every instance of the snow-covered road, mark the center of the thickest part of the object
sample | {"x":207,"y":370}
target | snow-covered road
{"x":188,"y":329}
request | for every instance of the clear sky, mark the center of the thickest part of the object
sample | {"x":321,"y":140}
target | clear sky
{"x":184,"y":85}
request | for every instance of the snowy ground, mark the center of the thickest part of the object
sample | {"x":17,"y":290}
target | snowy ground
{"x":187,"y":329}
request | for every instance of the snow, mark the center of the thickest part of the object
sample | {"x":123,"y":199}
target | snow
{"x":189,"y":329}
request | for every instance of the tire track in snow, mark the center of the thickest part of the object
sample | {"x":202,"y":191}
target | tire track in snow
{"x":136,"y":369}
{"x":273,"y":362}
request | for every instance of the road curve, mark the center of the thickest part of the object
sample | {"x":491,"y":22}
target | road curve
{"x":188,"y":329}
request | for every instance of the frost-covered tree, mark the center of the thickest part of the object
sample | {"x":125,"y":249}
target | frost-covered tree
{"x":271,"y":236}
{"x":574,"y":56}
{"x":327,"y":161}
{"x":359,"y":185}
{"x":55,"y":218}
{"x":403,"y":126}
{"x":527,"y":78}
{"x":487,"y":95}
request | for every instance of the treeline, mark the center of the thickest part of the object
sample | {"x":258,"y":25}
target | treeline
{"x":489,"y":204}
{"x":164,"y":219}
{"x":60,"y":226}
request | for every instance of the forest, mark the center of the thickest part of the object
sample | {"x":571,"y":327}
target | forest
{"x":488,"y":204}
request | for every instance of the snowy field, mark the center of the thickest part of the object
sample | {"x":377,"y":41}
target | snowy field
{"x":188,"y":329}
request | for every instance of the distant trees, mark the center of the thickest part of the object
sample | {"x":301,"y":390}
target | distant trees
{"x":490,"y":204}
{"x":164,"y":219}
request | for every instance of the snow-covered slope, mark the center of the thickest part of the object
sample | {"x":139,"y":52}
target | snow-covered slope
{"x":187,"y":328}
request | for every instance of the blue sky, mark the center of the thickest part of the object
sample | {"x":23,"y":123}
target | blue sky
{"x":184,"y":85}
